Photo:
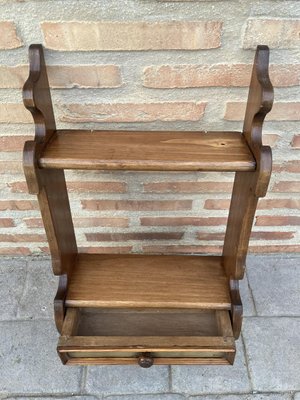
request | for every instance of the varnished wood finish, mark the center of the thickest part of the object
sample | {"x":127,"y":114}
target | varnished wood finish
{"x":37,"y":100}
{"x":130,"y":344}
{"x":134,"y":309}
{"x":148,"y":281}
{"x":194,"y":338}
{"x":248,"y":187}
{"x":148,"y":322}
{"x":59,"y":302}
{"x":131,"y":361}
{"x":49,"y":185}
{"x":236,"y":308}
{"x":155,"y":151}
{"x":260,"y":101}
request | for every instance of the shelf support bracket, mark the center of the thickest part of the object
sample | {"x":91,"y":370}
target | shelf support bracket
{"x":249,"y":186}
{"x":49,"y":185}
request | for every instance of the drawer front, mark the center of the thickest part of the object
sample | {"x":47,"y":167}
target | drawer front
{"x":74,"y":348}
{"x":146,"y":360}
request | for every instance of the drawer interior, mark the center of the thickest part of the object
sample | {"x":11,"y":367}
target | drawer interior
{"x":168,"y":336}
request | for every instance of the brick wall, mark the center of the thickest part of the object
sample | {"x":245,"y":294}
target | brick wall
{"x":150,"y":64}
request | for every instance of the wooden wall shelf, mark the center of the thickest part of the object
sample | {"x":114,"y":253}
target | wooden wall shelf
{"x":146,"y":309}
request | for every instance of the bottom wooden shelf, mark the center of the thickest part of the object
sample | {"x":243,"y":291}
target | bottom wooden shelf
{"x":146,"y":336}
{"x":149,"y":281}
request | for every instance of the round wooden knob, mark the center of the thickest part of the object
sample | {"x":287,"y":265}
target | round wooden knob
{"x":145,"y":360}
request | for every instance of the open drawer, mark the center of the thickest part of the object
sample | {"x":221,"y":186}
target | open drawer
{"x":146,"y":336}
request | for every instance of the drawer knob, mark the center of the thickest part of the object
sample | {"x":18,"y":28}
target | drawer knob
{"x":145,"y":360}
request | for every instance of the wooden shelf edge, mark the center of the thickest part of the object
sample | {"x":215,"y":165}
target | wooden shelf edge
{"x":147,"y":151}
{"x":152,"y":281}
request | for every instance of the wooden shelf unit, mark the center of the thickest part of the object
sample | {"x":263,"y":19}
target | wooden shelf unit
{"x":146,"y":309}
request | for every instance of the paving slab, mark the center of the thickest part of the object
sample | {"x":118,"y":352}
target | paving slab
{"x":127,"y":379}
{"x":275,"y":285}
{"x":39,"y":291}
{"x":56,"y":398}
{"x":246,"y":296}
{"x":168,"y":396}
{"x":29,"y":362}
{"x":12,"y":278}
{"x":250,"y":396}
{"x":213,"y":379}
{"x":273,"y":351}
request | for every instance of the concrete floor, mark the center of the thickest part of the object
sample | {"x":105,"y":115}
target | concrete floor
{"x":267,"y":365}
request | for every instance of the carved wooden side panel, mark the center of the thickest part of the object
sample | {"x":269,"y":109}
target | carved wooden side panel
{"x":49,"y":185}
{"x":249,"y":186}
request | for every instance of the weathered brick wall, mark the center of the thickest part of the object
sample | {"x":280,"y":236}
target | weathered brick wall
{"x":150,"y":64}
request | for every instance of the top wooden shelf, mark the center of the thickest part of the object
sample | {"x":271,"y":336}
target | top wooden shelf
{"x":148,"y":151}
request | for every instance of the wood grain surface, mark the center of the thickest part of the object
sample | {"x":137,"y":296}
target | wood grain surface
{"x":156,"y":151}
{"x":147,"y":322}
{"x":148,"y":281}
{"x":162,"y":334}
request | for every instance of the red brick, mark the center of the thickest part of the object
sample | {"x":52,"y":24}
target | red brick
{"x":13,"y":143}
{"x":272,"y":235}
{"x":137,"y":205}
{"x":288,"y":166}
{"x":129,"y":236}
{"x":254,"y":235}
{"x":65,"y":76}
{"x":217,"y":236}
{"x":287,"y":187}
{"x":19,"y":205}
{"x":108,"y":187}
{"x":275,"y":249}
{"x":85,"y":76}
{"x":274,"y":32}
{"x":33,"y":222}
{"x":296,"y":142}
{"x":266,"y":220}
{"x":6,"y":222}
{"x":15,"y":251}
{"x":188,"y":187}
{"x":11,"y":167}
{"x":114,"y":222}
{"x":106,"y":250}
{"x":140,"y":35}
{"x":284,"y":75}
{"x":45,"y":249}
{"x":18,"y":187}
{"x":182,"y":249}
{"x":189,"y":76}
{"x":22,"y":237}
{"x":264,"y":204}
{"x":133,"y":112}
{"x":83,"y":222}
{"x":9,"y":38}
{"x":269,"y":204}
{"x":11,"y":113}
{"x":270,"y":139}
{"x":181,"y":221}
{"x":221,"y":204}
{"x":281,"y":111}
{"x":13,"y":77}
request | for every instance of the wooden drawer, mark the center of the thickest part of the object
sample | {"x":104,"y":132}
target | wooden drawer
{"x":146,"y":337}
